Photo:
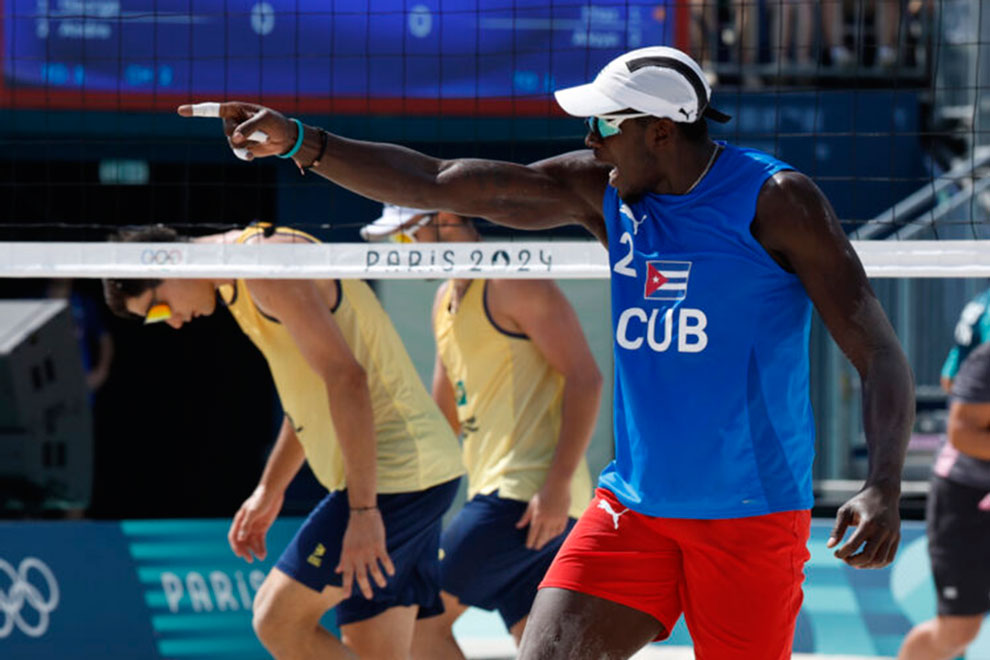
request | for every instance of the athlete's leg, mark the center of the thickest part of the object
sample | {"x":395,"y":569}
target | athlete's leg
{"x":958,"y":545}
{"x":567,"y":625}
{"x":387,"y":636}
{"x":942,"y":638}
{"x":517,"y":630}
{"x":287,"y":619}
{"x":613,"y":587}
{"x":434,"y":636}
{"x":742,"y":584}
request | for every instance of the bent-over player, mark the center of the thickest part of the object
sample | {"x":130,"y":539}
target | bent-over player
{"x":358,"y":413}
{"x":515,"y":377}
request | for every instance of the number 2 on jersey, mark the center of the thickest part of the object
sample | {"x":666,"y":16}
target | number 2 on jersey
{"x":622,"y":265}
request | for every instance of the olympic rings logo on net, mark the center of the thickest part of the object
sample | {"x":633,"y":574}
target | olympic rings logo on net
{"x":161,"y":257}
{"x":23,"y":593}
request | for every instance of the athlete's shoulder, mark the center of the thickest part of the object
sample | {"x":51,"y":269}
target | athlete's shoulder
{"x":754,"y":158}
{"x":523,"y":301}
{"x":584,"y":176}
{"x":788,"y":188}
{"x":509,"y":296}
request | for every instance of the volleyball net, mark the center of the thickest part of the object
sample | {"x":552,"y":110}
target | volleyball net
{"x":882,"y":103}
{"x":519,"y":259}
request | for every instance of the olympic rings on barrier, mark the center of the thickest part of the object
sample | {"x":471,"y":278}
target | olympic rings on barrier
{"x":161,"y":257}
{"x":23,"y":591}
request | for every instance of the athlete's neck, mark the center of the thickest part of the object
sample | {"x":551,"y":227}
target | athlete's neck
{"x":688,"y":168}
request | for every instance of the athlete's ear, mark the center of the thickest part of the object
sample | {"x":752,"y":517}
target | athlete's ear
{"x":659,"y":132}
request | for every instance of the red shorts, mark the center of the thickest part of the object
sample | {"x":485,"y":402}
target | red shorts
{"x":737,"y":581}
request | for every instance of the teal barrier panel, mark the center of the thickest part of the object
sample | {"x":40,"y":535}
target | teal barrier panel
{"x":198,"y":594}
{"x":173,"y":589}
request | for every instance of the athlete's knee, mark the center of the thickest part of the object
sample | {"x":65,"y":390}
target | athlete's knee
{"x":435,"y":627}
{"x":431,"y":634}
{"x":379,"y":647}
{"x":271,"y":624}
{"x":266,"y":623}
{"x":955,"y":633}
{"x":268,"y":627}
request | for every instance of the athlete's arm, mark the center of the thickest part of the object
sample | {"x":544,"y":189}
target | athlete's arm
{"x":256,"y":515}
{"x":566,"y":190}
{"x":539,"y":309}
{"x":797,"y":226}
{"x":443,"y":390}
{"x":301,"y":307}
{"x":969,"y":428}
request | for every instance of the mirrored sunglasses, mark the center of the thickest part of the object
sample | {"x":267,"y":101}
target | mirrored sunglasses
{"x":605,"y":127}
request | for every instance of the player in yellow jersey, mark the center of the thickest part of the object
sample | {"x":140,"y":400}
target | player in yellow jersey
{"x":514,"y":375}
{"x":358,"y":413}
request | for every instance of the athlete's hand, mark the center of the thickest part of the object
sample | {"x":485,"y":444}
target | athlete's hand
{"x":874,"y":512}
{"x":251,"y":523}
{"x":546,"y":515}
{"x":241,"y":120}
{"x":362,"y":550}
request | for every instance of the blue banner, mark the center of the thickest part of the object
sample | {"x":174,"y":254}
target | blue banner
{"x":392,"y":49}
{"x":173,"y":589}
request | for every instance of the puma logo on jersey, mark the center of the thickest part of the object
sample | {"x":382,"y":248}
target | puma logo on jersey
{"x":626,"y":211}
{"x":607,"y":508}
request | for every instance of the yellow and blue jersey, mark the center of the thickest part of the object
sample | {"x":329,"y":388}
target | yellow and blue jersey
{"x":509,"y":402}
{"x":415,"y":446}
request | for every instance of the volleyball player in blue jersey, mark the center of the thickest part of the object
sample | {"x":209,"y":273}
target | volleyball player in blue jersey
{"x":718,"y":254}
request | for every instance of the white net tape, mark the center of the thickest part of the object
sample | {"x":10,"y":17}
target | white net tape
{"x":513,"y":259}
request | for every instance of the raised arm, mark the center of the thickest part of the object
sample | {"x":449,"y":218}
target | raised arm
{"x":542,"y":312}
{"x":797,"y":226}
{"x":302,"y":309}
{"x":563,"y":191}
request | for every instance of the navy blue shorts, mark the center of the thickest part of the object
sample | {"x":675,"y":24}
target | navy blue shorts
{"x":412,"y":537}
{"x":485,"y":560}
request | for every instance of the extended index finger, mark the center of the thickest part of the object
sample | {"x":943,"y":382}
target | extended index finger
{"x":233,"y":110}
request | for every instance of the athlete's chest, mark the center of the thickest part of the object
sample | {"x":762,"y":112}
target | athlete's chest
{"x":660,"y":252}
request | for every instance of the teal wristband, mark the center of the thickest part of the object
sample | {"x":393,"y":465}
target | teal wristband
{"x":299,"y":140}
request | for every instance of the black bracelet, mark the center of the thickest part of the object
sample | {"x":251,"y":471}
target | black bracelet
{"x":359,"y":509}
{"x":324,"y":138}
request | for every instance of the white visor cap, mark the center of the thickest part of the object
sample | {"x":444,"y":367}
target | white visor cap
{"x":659,"y":80}
{"x":393,"y":220}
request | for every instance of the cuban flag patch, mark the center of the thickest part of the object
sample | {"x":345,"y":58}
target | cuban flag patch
{"x":666,"y":280}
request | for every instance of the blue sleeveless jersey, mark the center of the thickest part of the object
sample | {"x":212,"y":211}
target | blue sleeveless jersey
{"x":712,"y":411}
